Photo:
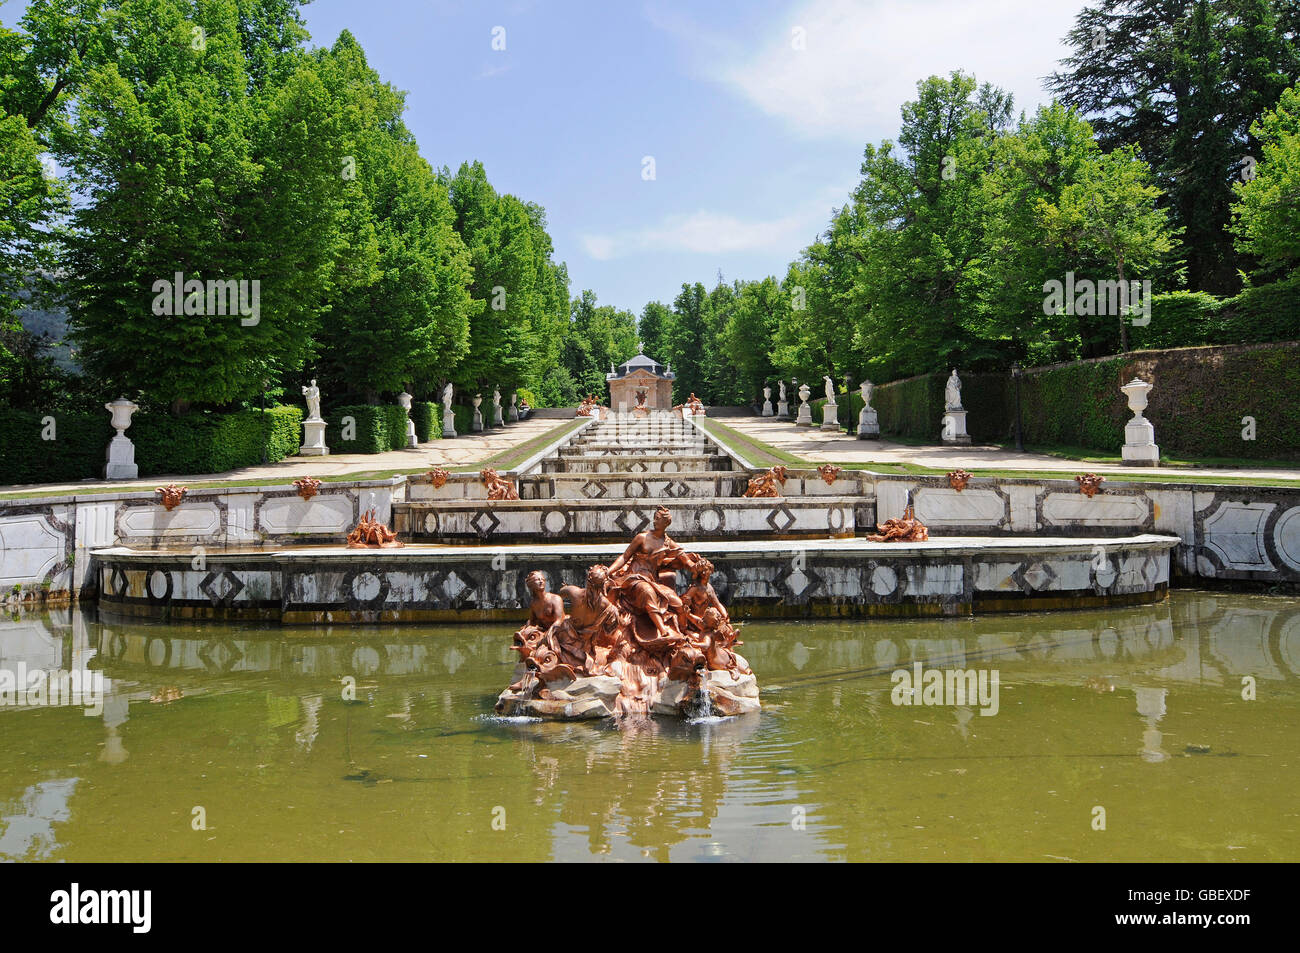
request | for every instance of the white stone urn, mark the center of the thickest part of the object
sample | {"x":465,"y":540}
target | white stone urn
{"x":120,"y":456}
{"x":804,"y":416}
{"x":1139,"y":435}
{"x":121,"y":409}
{"x":404,"y":401}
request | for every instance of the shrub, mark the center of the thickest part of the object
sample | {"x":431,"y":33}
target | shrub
{"x":379,"y":428}
{"x":1266,"y":313}
{"x":77,"y":452}
{"x":206,"y":442}
{"x":428,"y":420}
{"x":1178,"y":319}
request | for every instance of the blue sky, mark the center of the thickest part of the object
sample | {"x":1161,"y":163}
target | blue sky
{"x":755,"y":113}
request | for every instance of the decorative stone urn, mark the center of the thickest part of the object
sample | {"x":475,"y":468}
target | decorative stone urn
{"x":868,"y":419}
{"x":512,"y":414}
{"x":404,"y":400}
{"x":805,"y":412}
{"x":1140,"y":448}
{"x":767,"y":402}
{"x":476,"y":425}
{"x":121,"y":451}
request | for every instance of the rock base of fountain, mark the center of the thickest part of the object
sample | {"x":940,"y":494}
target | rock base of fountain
{"x":596,"y":696}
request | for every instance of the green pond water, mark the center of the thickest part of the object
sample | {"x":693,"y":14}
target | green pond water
{"x":251,"y":725}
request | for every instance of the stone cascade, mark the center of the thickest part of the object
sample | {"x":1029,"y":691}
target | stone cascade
{"x":605,"y":482}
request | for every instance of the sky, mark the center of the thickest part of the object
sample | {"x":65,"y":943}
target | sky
{"x":755,"y":114}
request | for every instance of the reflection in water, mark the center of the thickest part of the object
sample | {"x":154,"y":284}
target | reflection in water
{"x":254,"y":725}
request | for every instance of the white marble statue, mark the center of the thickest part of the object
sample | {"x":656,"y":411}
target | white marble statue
{"x":781,"y":398}
{"x":312,"y":393}
{"x":830,"y":389}
{"x":448,"y":415}
{"x":496,"y":407}
{"x":952,"y":392}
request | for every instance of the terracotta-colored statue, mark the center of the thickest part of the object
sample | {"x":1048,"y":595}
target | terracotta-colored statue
{"x":957,"y":479}
{"x":171,"y":495}
{"x":590,"y":406}
{"x":307,"y":487}
{"x":829,"y":473}
{"x":498,"y":487}
{"x":693,"y":404}
{"x":1089,"y":484}
{"x":767,"y":484}
{"x":904,"y":529}
{"x":372,"y":534}
{"x":438,"y":477}
{"x":631,"y":644}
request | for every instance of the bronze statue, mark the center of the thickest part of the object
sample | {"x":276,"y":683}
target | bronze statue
{"x":767,"y":484}
{"x":830,"y":473}
{"x":1089,"y":484}
{"x":372,"y":534}
{"x":498,"y":487}
{"x":171,"y":495}
{"x":631,"y":644}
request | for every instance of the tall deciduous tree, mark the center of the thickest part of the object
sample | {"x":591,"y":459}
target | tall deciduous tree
{"x":1268,"y":214}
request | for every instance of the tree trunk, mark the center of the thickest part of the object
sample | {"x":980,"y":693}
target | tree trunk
{"x":1123,"y":318}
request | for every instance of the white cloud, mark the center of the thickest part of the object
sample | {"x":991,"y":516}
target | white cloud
{"x":710,"y":233}
{"x":863,"y":58}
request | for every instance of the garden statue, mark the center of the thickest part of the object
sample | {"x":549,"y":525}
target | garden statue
{"x":448,"y":416}
{"x":372,"y":534}
{"x":630,"y":644}
{"x":904,"y":529}
{"x":830,"y":389}
{"x":476,"y":424}
{"x":767,"y":484}
{"x":868,"y":419}
{"x":312,"y":393}
{"x":952,"y":392}
{"x":496,"y":408}
{"x":767,"y":401}
{"x":498,"y":488}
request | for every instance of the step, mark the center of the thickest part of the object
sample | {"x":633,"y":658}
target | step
{"x":637,"y":463}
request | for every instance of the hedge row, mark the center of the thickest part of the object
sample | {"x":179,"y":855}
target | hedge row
{"x":1198,"y":403}
{"x":428,"y":420}
{"x":207,"y":442}
{"x":53,"y":448}
{"x":1265,"y":314}
{"x":365,"y":428}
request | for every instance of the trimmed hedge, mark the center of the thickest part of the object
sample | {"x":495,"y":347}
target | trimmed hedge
{"x":464,"y":416}
{"x":378,"y":428}
{"x":205,"y":442}
{"x":428,"y":420}
{"x":1267,"y":313}
{"x":1199,"y":399}
{"x":77,"y":452}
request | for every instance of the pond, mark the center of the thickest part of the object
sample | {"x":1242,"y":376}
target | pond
{"x":1164,"y":733}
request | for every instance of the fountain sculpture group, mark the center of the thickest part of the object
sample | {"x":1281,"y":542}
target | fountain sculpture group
{"x":630,"y":644}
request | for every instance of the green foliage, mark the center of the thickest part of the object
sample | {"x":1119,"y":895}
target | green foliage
{"x":1268,"y":215}
{"x":596,"y":337}
{"x":1261,"y":313}
{"x":1179,"y":319}
{"x":427,"y":417}
{"x":202,"y":443}
{"x":77,"y":451}
{"x":378,"y":428}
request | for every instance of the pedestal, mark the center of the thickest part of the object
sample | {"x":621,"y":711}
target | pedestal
{"x":1140,"y":448}
{"x":496,"y":417}
{"x":805,"y":414}
{"x":830,"y":416}
{"x":121,"y":459}
{"x":411,"y":440}
{"x":954,"y":427}
{"x":476,"y":424}
{"x":512,"y":414}
{"x":783,"y":408}
{"x":313,"y":438}
{"x":868,"y":424}
{"x":767,"y":409}
{"x":448,"y":423}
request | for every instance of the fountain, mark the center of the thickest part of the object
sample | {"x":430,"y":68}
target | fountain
{"x":631,"y":645}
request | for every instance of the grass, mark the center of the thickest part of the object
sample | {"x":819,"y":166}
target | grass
{"x":762,"y":454}
{"x":503,"y":460}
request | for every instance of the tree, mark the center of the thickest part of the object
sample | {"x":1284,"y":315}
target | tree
{"x":1267,"y":222}
{"x":401,"y":309}
{"x":182,"y":164}
{"x":745,"y":340}
{"x":1111,"y":212}
{"x":1183,"y":80}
